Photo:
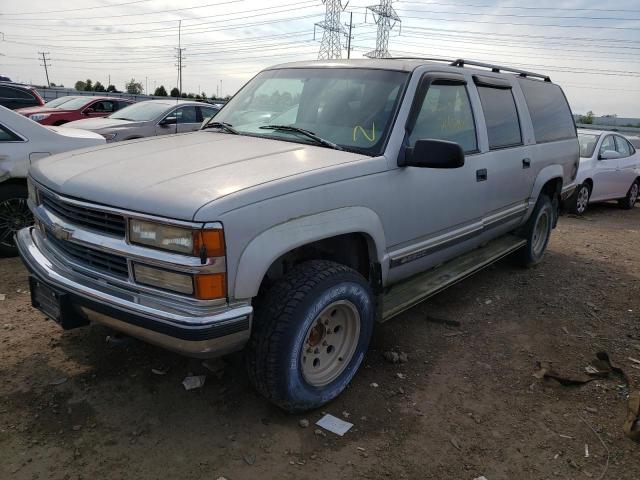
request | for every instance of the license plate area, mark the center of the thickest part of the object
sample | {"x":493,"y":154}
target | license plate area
{"x":55,"y":305}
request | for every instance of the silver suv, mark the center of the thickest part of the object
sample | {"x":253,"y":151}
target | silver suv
{"x":323,"y":197}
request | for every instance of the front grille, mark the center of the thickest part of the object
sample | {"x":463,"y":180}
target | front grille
{"x":87,"y":217}
{"x":105,"y":262}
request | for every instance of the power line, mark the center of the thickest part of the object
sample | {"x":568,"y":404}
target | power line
{"x":75,"y":9}
{"x":572,"y":9}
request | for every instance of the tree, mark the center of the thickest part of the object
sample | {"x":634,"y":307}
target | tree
{"x":160,"y":91}
{"x":88,"y":85}
{"x":175,"y":92}
{"x":112,"y":88}
{"x":133,"y":87}
{"x":98,"y":87}
{"x":204,"y":95}
{"x":587,"y":119}
{"x":80,"y":85}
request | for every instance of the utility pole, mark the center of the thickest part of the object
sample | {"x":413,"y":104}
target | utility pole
{"x":146,"y":85}
{"x":45,"y":64}
{"x":386,"y":18}
{"x":349,"y":37}
{"x":180,"y":57}
{"x":331,"y":44}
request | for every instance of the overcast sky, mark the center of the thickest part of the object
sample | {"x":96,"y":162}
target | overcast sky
{"x":591,"y":49}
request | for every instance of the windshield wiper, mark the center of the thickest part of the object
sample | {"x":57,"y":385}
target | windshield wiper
{"x":306,"y":133}
{"x":227,"y":127}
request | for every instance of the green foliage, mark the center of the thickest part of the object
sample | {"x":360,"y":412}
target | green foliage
{"x":80,"y":85}
{"x":98,"y":87}
{"x":112,"y":88}
{"x":175,"y":92}
{"x":587,"y":119}
{"x":88,"y":85}
{"x":160,"y":91}
{"x":133,"y":87}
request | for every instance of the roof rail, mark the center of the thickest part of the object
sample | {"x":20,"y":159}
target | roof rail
{"x":497,"y":68}
{"x":494,"y":68}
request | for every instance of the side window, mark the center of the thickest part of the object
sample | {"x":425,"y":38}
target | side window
{"x":549,"y":110}
{"x":7,"y":92}
{"x":622,"y":146}
{"x":122,"y":105}
{"x":7,"y":135}
{"x":104,"y":106}
{"x":607,"y":144}
{"x":445,"y":114}
{"x":208,"y":112}
{"x":187,"y":115}
{"x":501,"y":117}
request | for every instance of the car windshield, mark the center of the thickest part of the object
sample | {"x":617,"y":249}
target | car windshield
{"x":58,"y":101}
{"x":350,"y":107}
{"x":141,"y":112}
{"x":587,"y":144}
{"x":75,"y":103}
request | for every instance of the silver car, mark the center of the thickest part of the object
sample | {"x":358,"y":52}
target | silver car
{"x":609,"y":170}
{"x":149,"y":119}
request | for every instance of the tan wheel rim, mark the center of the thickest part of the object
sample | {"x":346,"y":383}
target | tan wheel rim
{"x":330,"y":343}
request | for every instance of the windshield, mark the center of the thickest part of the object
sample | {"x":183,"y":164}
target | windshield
{"x":351,"y":107}
{"x":58,"y":101}
{"x":587,"y":144}
{"x":76,"y":102}
{"x":141,"y":112}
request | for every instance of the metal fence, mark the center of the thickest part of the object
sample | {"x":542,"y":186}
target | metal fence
{"x":51,"y":93}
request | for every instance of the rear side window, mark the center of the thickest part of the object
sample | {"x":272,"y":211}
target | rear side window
{"x":446,"y":114}
{"x":7,"y":92}
{"x":550,"y":112}
{"x":7,"y":135}
{"x":623,"y":147}
{"x":608,"y":144}
{"x":501,"y":117}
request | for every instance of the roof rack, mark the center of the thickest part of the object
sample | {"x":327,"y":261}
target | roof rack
{"x":494,"y":68}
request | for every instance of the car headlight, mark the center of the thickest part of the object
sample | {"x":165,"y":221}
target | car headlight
{"x":188,"y":241}
{"x":36,"y":117}
{"x":109,"y":136}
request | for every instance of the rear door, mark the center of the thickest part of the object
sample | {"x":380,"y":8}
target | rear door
{"x":508,"y":160}
{"x":605,"y":177}
{"x":101,"y":108}
{"x":626,"y":166}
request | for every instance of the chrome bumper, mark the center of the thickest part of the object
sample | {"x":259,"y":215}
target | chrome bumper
{"x":196,"y":332}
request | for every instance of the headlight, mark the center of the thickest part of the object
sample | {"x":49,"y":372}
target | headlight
{"x":199,"y":243}
{"x":36,"y":117}
{"x":109,"y":136}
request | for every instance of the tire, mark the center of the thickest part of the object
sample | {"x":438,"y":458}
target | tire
{"x":537,"y":232}
{"x":580,"y":199}
{"x":320,"y":311}
{"x":14,"y":215}
{"x":628,"y":202}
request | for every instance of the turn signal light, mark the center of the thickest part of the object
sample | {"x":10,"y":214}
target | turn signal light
{"x":209,"y":243}
{"x":210,"y":286}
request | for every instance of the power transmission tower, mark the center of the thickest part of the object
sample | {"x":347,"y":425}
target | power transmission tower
{"x":331,"y":44}
{"x":386,"y":18}
{"x":45,"y":63}
{"x":179,"y":56}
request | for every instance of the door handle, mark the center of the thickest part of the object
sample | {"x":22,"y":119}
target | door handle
{"x":526,"y":163}
{"x":481,"y":175}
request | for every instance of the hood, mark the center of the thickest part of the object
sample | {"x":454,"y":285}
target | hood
{"x":101,"y":123}
{"x":173,"y":176}
{"x":44,"y":109}
{"x":77,"y":133}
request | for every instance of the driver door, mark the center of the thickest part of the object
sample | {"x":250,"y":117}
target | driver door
{"x":606,"y":170}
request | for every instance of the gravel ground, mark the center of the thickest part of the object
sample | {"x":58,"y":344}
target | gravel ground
{"x":465,"y":404}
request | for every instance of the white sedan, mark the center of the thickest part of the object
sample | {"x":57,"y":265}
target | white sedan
{"x":609,"y":170}
{"x":22,"y":142}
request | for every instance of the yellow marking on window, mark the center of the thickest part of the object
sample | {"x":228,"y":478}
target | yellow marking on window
{"x":371,"y":138}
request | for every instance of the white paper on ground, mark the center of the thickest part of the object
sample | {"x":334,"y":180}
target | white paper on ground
{"x":334,"y":424}
{"x":190,"y":383}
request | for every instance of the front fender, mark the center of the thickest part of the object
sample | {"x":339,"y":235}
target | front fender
{"x":271,"y":244}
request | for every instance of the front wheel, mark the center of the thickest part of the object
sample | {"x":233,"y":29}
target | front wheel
{"x":310,"y":335}
{"x":537,"y":232}
{"x":14,"y":215}
{"x":580,"y":199}
{"x":628,"y":202}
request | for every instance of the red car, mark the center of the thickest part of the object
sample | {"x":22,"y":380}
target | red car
{"x":67,"y":109}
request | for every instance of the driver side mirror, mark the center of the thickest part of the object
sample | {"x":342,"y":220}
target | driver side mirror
{"x":433,"y":154}
{"x":168,"y":121}
{"x":88,"y":111}
{"x":609,"y":155}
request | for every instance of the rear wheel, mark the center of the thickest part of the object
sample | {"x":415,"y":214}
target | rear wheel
{"x":580,"y":199}
{"x":537,"y":232}
{"x":628,"y":202}
{"x":14,"y":215}
{"x":310,"y":335}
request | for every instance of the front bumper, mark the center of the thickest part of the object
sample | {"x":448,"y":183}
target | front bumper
{"x":197,"y":334}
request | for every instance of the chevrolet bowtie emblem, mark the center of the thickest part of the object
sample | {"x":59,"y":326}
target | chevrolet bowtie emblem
{"x":60,"y":233}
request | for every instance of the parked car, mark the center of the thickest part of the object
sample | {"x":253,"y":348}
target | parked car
{"x":150,"y":118}
{"x":16,"y":95}
{"x":76,"y":108}
{"x":23,"y":142}
{"x":609,"y":170}
{"x":290,"y":244}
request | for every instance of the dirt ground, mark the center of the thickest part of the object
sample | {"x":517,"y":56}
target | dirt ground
{"x":465,"y":405}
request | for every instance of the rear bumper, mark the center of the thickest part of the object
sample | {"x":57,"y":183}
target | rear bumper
{"x":197,"y":333}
